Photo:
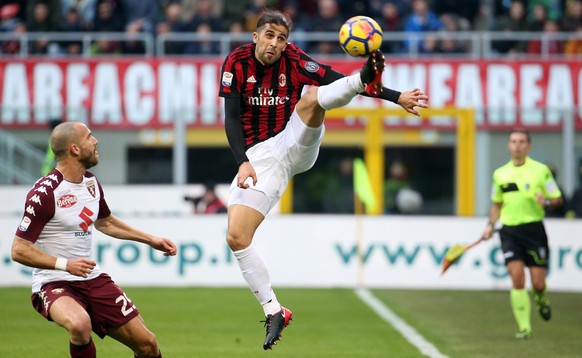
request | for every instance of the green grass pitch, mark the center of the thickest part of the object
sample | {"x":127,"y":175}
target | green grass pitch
{"x":224,"y":322}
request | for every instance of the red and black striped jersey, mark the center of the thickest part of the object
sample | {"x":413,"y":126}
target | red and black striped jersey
{"x":268,"y":94}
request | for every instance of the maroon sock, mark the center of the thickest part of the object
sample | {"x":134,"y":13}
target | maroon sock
{"x":83,"y":351}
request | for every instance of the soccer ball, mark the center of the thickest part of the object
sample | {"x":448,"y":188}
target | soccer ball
{"x":408,"y":201}
{"x":360,"y":35}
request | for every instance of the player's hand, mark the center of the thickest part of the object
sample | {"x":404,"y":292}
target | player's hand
{"x":165,"y":245}
{"x":410,"y":99}
{"x":80,"y":267}
{"x":245,"y":170}
{"x":541,"y":199}
{"x":488,"y":232}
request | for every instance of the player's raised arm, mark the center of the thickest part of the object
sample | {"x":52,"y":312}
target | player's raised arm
{"x":118,"y":229}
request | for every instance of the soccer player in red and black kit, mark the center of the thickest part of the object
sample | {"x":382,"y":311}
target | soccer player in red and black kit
{"x":275,"y":133}
{"x":55,"y":237}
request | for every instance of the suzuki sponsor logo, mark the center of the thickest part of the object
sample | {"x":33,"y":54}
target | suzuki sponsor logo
{"x":66,"y":201}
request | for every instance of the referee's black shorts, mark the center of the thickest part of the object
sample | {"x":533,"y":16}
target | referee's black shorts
{"x":526,"y":242}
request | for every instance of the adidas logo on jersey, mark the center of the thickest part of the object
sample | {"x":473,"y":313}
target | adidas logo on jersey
{"x":251,"y":79}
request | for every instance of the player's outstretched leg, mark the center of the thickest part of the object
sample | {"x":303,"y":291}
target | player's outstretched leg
{"x":371,"y":73}
{"x":274,"y":325}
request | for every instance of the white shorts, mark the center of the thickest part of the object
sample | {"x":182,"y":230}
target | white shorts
{"x":292,"y":151}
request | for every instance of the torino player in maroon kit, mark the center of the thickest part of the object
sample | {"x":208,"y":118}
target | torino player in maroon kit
{"x":275,"y":133}
{"x":55,"y":237}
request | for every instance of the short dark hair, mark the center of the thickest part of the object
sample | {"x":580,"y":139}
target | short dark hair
{"x":522,"y":131}
{"x":273,"y":17}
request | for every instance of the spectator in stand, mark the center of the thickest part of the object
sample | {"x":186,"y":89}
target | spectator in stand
{"x":134,"y":46}
{"x":390,"y":21}
{"x":377,"y":7}
{"x":573,"y":18}
{"x":448,"y":44}
{"x":539,"y":15}
{"x":146,"y":11}
{"x":72,"y":23}
{"x":12,"y":47}
{"x":514,"y":22}
{"x":109,"y":17}
{"x":43,"y":15}
{"x":484,"y":20}
{"x":396,"y":181}
{"x":554,"y":46}
{"x":207,"y":203}
{"x":573,"y":46}
{"x":236,"y":28}
{"x":204,"y":15}
{"x":172,"y":22}
{"x":253,"y":10}
{"x":41,"y":21}
{"x":327,"y":19}
{"x":217,"y":9}
{"x":204,"y":45}
{"x":104,"y":46}
{"x":85,"y":9}
{"x":422,"y":19}
{"x":338,"y":193}
{"x":235,"y":12}
{"x":299,"y":20}
{"x":9,"y":17}
{"x":466,"y":9}
{"x":349,"y":8}
{"x":554,"y":8}
{"x":172,"y":15}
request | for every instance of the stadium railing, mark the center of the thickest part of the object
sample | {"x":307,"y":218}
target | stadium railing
{"x":475,"y":45}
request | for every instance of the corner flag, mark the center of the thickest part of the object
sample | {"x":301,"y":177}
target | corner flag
{"x":362,"y":185}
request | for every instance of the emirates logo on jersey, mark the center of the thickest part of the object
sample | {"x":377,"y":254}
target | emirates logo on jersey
{"x":66,"y":201}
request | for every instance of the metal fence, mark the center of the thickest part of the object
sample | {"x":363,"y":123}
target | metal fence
{"x":474,"y":45}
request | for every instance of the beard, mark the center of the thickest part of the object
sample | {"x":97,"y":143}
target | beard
{"x":89,"y":159}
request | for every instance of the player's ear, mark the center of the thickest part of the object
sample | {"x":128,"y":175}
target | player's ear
{"x":255,"y":37}
{"x":74,"y":149}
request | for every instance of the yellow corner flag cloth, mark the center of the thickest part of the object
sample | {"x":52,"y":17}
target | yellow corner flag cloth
{"x":362,"y":185}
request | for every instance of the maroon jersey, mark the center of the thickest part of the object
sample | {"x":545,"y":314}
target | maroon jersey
{"x":268,"y":94}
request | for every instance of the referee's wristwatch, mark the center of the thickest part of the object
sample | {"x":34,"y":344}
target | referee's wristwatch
{"x":547,"y":203}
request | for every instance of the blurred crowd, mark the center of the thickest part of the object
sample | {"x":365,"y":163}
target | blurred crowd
{"x":238,"y":16}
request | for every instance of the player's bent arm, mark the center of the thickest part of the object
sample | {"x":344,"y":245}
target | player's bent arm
{"x":26,"y":253}
{"x":118,"y":229}
{"x":494,"y":214}
{"x":234,"y":129}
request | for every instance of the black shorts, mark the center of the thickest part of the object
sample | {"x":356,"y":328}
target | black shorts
{"x":527,"y":242}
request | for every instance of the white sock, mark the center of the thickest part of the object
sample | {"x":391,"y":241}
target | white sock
{"x":339,"y":93}
{"x":256,"y":274}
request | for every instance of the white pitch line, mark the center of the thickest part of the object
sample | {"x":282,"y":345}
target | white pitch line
{"x":411,"y":335}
